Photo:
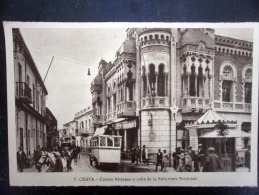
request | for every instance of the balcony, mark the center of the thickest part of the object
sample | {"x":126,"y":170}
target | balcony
{"x":233,"y":107}
{"x":97,"y":120}
{"x":84,"y":132}
{"x":126,"y":109}
{"x":23,"y":91}
{"x":195,"y":104}
{"x":159,"y":102}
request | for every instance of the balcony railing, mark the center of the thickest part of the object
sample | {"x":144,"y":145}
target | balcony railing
{"x":126,"y":108}
{"x":23,"y":91}
{"x":97,"y":119}
{"x":195,"y":104}
{"x":155,"y":102}
{"x":84,"y":131}
{"x":232,"y":106}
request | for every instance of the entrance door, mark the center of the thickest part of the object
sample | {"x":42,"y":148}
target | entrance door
{"x":21,"y":137}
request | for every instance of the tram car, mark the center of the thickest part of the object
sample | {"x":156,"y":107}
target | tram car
{"x":105,"y":149}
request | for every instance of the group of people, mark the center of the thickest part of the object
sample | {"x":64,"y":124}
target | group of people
{"x":135,"y":155}
{"x":162,"y":159}
{"x":64,"y":157}
{"x":189,"y":161}
{"x":183,"y":160}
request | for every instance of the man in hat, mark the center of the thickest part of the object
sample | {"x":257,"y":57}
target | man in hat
{"x":21,"y":159}
{"x":176,"y":155}
{"x":58,"y":162}
{"x":159,"y":158}
{"x":37,"y":155}
{"x":194,"y":158}
{"x":212,"y":163}
{"x":145,"y":155}
{"x":201,"y":157}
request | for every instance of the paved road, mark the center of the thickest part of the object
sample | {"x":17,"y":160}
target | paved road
{"x":82,"y":165}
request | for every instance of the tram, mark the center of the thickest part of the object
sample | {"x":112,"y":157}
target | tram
{"x":105,"y":149}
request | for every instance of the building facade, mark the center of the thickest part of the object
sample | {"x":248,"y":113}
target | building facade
{"x":80,"y":130}
{"x":51,"y":129}
{"x":30,"y":93}
{"x":162,"y":79}
{"x":84,"y":129}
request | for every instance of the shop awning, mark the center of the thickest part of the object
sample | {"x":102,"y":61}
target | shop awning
{"x":231,"y":134}
{"x":117,"y":120}
{"x":100,"y":130}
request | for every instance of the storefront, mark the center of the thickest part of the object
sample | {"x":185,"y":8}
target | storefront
{"x":206,"y":131}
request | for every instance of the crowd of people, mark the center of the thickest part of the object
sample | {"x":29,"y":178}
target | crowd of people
{"x":183,"y":160}
{"x":189,"y":161}
{"x":64,"y":156}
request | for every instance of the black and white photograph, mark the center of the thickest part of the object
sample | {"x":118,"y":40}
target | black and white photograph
{"x":132,"y":104}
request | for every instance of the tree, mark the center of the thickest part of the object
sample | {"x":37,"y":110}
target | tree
{"x":222,"y":132}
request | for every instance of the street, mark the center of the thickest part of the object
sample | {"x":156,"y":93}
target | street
{"x":83,"y":165}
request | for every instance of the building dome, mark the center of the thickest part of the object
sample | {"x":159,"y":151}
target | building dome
{"x":129,"y":46}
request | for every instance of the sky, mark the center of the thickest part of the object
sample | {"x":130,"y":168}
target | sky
{"x":74,"y":51}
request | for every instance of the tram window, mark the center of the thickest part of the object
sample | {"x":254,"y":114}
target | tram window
{"x":102,"y":141}
{"x":117,"y":142}
{"x":109,"y":141}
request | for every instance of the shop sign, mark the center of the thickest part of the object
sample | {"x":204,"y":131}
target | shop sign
{"x":194,"y":142}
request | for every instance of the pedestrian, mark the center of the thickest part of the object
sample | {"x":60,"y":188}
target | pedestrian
{"x":58,"y":163}
{"x":181,"y":166}
{"x":212,"y":162}
{"x":64,"y":161}
{"x":37,"y":154}
{"x":133,"y":154}
{"x":201,"y":157}
{"x":176,"y":155}
{"x":247,"y":157}
{"x":137,"y":156}
{"x":78,"y":152}
{"x":194,"y":157}
{"x":159,"y":158}
{"x":165,"y":160}
{"x":74,"y":154}
{"x":69,"y":158}
{"x":21,"y":159}
{"x":188,"y":163}
{"x":145,"y":155}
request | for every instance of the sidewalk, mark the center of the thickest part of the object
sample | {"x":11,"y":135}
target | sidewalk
{"x":151,"y":167}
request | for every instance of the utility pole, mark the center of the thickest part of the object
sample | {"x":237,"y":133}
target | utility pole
{"x":48,"y":69}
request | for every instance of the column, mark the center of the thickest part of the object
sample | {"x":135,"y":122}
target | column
{"x":203,"y":85}
{"x":125,"y":140}
{"x":196,"y":87}
{"x":156,"y":82}
{"x":188,"y":84}
{"x":165,"y":84}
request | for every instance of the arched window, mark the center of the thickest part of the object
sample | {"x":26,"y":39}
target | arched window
{"x":228,"y":75}
{"x":144,"y":77}
{"x":161,"y":81}
{"x":199,"y":81}
{"x":192,"y":81}
{"x":152,"y":78}
{"x":156,"y":36}
{"x":247,"y":81}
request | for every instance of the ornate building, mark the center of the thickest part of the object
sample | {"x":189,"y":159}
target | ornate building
{"x":162,"y":79}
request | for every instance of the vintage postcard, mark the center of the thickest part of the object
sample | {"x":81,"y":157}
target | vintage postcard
{"x":132,"y":104}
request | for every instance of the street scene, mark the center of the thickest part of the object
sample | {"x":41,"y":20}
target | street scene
{"x":133,"y":100}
